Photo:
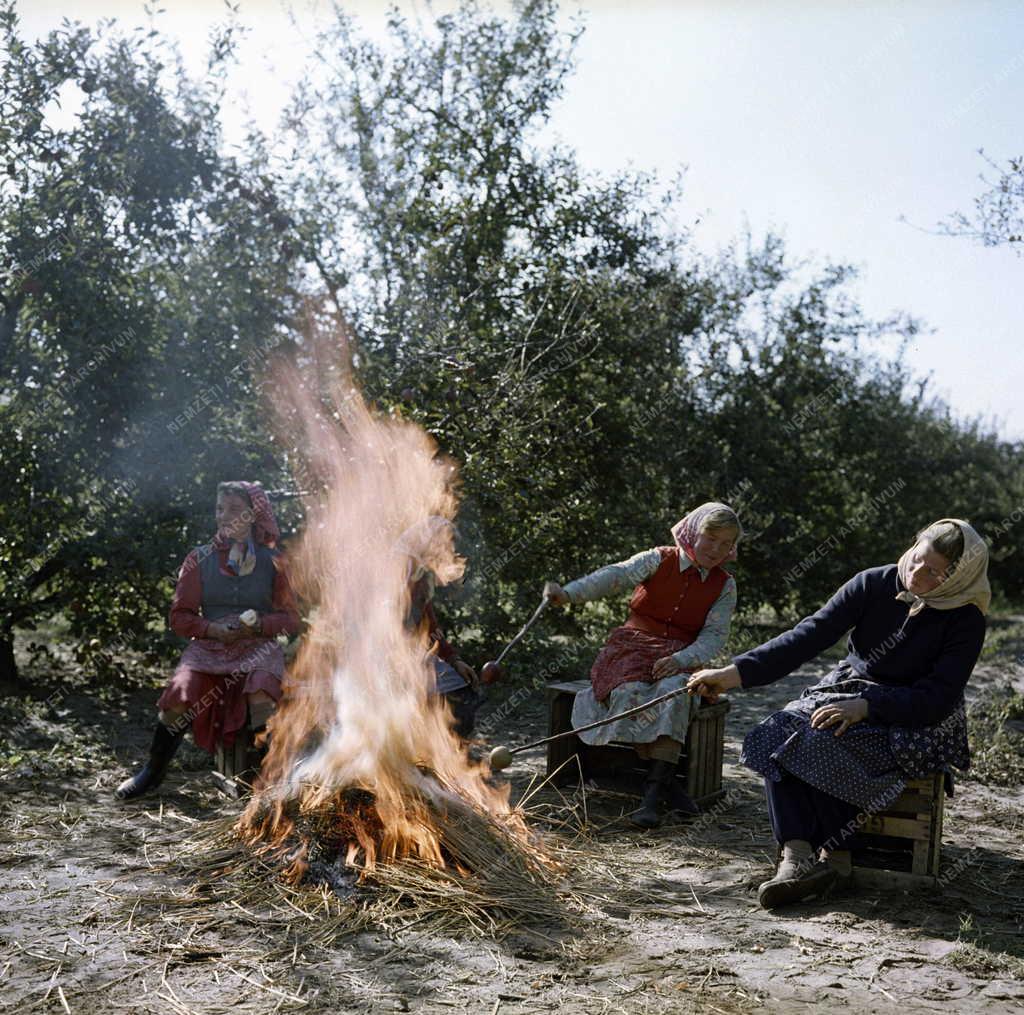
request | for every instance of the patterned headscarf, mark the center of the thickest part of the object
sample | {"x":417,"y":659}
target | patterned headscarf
{"x":967,"y":583}
{"x":265,"y":531}
{"x":689,"y":527}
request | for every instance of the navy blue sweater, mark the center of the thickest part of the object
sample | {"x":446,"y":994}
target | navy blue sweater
{"x":922,"y":662}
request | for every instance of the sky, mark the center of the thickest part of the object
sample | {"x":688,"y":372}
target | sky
{"x":851,"y":129}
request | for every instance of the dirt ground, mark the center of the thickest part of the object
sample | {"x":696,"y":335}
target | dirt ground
{"x":681,"y":931}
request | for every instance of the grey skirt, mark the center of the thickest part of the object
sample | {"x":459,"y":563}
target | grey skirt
{"x":870,"y":763}
{"x":669,"y":719}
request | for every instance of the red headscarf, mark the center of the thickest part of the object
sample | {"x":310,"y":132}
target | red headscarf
{"x":264,"y":524}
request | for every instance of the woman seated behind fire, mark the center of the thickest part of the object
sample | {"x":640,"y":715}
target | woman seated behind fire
{"x":431,"y":562}
{"x":678,"y":621}
{"x":893,"y":709}
{"x":232,"y":600}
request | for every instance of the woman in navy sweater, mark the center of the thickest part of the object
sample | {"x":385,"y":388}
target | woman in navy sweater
{"x":891,"y":710}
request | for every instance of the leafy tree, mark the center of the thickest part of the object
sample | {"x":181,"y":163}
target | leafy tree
{"x":838,"y":455}
{"x":591,"y":372}
{"x":594,"y":375}
{"x":998,"y":215}
{"x":141,"y":272}
{"x":529,"y":315}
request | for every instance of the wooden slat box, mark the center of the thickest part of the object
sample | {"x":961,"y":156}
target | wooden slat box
{"x":906,"y":837}
{"x":700,"y":768}
{"x":231,"y":762}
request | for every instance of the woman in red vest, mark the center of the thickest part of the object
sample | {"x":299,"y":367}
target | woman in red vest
{"x":679,"y":619}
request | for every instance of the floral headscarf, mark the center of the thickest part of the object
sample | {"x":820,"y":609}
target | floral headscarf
{"x":690,"y":526}
{"x":265,"y":531}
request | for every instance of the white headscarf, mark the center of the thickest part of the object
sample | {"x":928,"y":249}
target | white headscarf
{"x":967,"y":583}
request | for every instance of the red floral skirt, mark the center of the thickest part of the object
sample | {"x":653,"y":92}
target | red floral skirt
{"x":212,"y":680}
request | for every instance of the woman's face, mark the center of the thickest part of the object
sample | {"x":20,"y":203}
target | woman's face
{"x":928,"y":569}
{"x":713,"y":546}
{"x":234,"y":516}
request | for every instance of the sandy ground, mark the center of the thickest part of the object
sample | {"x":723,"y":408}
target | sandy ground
{"x":676,"y":929}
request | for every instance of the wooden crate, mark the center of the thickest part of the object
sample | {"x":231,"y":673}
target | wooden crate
{"x":231,"y":762}
{"x":907,"y":836}
{"x":617,"y":765}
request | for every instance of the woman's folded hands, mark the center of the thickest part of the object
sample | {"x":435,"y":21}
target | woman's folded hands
{"x":229,"y":632}
{"x":840,"y":714}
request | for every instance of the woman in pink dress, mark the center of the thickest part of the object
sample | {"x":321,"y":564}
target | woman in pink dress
{"x":232,"y":599}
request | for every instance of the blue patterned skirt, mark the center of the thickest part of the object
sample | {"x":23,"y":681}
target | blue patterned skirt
{"x":870,"y":763}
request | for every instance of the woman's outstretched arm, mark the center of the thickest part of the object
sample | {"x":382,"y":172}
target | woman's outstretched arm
{"x":783,"y":654}
{"x":614,"y":578}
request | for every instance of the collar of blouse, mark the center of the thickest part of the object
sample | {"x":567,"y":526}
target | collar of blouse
{"x":685,"y":562}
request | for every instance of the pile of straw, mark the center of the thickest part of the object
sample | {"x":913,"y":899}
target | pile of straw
{"x":493,"y":883}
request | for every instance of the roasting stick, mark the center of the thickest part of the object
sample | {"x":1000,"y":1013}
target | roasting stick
{"x":501,"y":757}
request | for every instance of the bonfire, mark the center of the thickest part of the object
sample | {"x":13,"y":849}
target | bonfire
{"x":365,"y":786}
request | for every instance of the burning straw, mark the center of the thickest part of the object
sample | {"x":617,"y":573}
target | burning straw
{"x":490,"y":886}
{"x":366,"y":787}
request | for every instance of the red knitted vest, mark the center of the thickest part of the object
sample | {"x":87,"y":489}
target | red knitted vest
{"x":674,"y":604}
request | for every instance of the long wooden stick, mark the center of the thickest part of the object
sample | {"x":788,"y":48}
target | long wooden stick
{"x":526,"y":627}
{"x":635,"y":710}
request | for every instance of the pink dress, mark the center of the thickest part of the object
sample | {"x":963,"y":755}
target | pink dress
{"x":213,"y":678}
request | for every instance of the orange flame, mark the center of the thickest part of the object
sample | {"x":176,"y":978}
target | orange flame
{"x":358,"y":712}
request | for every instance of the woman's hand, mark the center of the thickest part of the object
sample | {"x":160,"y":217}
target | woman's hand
{"x":464,"y":670}
{"x":841,"y":714}
{"x":555,"y":594}
{"x":221,"y":632}
{"x":251,"y":623}
{"x":711,"y":683}
{"x":252,"y":630}
{"x":665,"y":667}
{"x":224,"y":632}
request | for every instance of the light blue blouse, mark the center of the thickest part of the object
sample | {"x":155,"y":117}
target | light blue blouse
{"x":624,"y":575}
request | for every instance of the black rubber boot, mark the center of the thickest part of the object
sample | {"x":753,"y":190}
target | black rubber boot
{"x":165,"y":744}
{"x":254,"y":761}
{"x":655,"y":787}
{"x":678,"y":798}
